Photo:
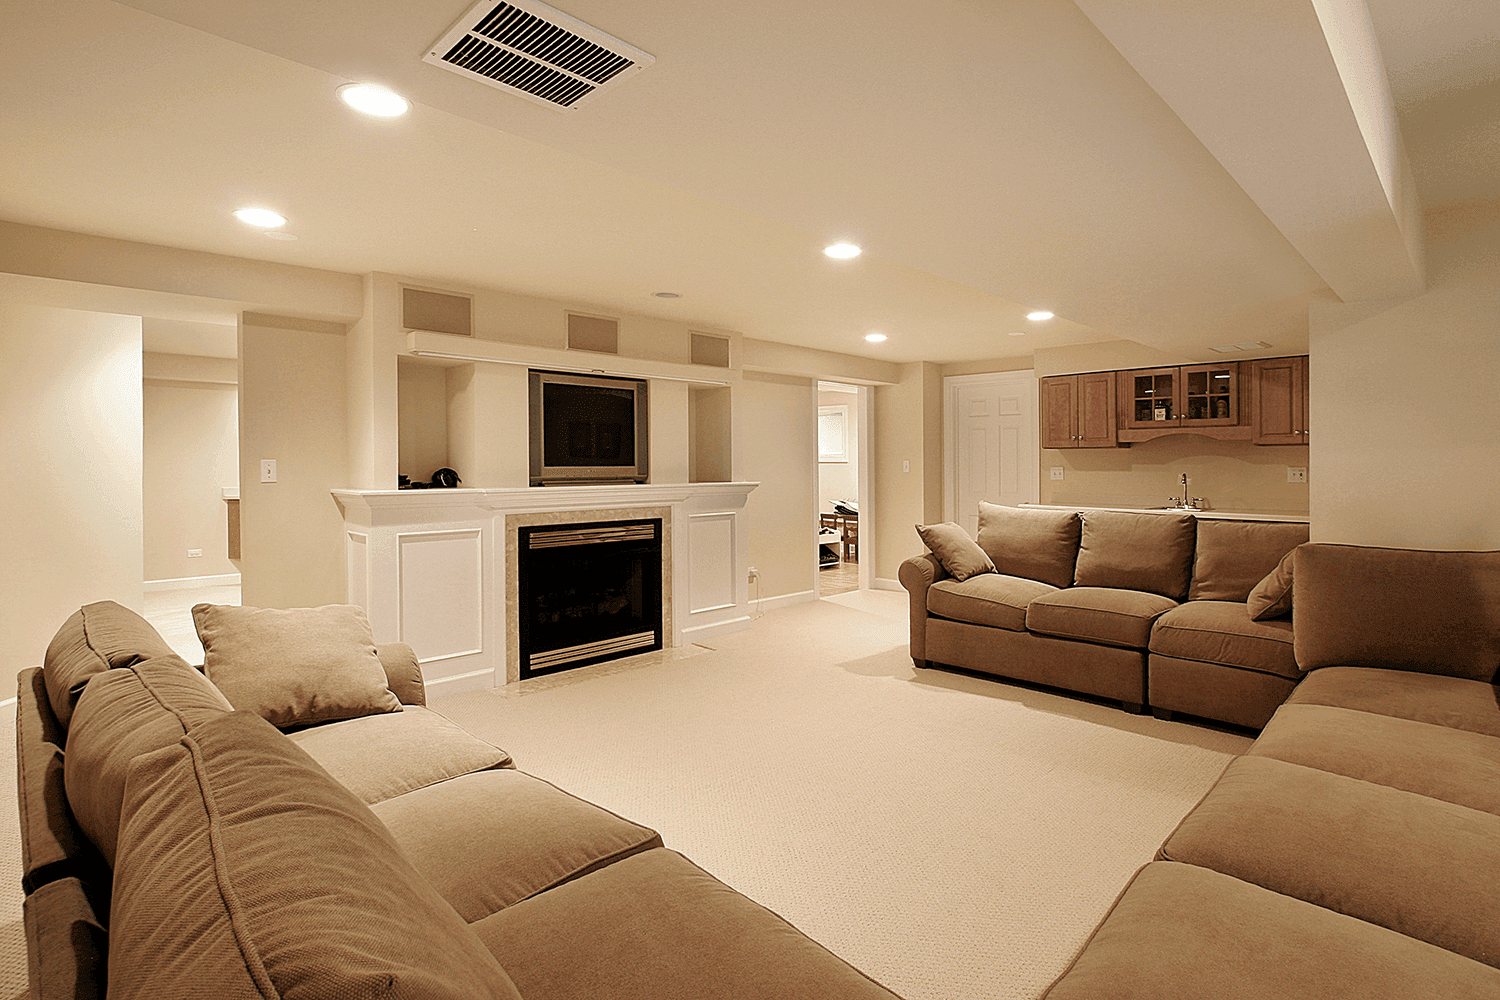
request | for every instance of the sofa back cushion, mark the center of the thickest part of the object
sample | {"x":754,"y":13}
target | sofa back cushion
{"x":95,"y":638}
{"x":122,"y":714}
{"x":1149,"y":552}
{"x":1231,"y":557}
{"x":1034,"y":544}
{"x":1401,"y":609}
{"x":245,"y":867}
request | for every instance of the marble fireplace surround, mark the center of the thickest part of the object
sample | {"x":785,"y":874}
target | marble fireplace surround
{"x":437,"y":568}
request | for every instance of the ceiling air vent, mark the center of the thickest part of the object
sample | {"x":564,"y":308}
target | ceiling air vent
{"x":537,"y":52}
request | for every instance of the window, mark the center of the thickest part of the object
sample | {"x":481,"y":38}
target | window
{"x":833,"y":434}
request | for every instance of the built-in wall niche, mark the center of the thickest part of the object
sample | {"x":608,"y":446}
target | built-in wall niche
{"x":422,"y":419}
{"x":599,"y":334}
{"x":710,"y":455}
{"x":707,"y":349}
{"x":436,"y":311}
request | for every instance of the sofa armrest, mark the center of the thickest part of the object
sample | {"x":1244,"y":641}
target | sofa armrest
{"x":916,"y":575}
{"x":403,"y":673}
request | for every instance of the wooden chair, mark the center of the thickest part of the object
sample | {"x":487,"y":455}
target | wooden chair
{"x":850,"y":528}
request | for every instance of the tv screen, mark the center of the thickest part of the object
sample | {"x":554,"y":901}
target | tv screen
{"x":587,"y":425}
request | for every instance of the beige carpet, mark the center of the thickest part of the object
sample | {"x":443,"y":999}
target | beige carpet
{"x":953,"y":837}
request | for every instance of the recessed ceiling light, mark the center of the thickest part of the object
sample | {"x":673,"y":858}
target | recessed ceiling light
{"x":280,"y":236}
{"x":1039,"y":315}
{"x":843,"y":251}
{"x":1018,"y":333}
{"x":875,"y":338}
{"x":261,"y":218}
{"x":667,"y":295}
{"x":373,"y":100}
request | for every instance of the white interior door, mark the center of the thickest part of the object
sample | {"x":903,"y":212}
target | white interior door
{"x":991,"y":443}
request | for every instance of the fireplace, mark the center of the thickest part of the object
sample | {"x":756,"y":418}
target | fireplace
{"x":587,"y":592}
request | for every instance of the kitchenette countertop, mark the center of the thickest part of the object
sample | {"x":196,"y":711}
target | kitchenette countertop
{"x":1217,"y":515}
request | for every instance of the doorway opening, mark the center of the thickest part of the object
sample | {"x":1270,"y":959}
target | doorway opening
{"x":842,"y":482}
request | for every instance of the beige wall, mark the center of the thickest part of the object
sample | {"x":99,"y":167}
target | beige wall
{"x":1230,"y":475}
{"x":293,"y":407}
{"x":191,"y":454}
{"x":908,"y":428}
{"x":775,"y":444}
{"x":71,"y":414}
{"x":1406,"y":401}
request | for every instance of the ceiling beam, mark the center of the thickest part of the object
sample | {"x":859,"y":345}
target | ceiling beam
{"x":1290,"y":96}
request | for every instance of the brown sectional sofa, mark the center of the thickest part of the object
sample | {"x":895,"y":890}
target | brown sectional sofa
{"x":174,"y":847}
{"x":1354,"y":851}
{"x":1140,"y":608}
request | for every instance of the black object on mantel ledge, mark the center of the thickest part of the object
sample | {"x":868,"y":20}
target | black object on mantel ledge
{"x":442,"y":479}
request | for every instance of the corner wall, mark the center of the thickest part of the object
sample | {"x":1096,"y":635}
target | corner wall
{"x":1406,"y":401}
{"x":908,"y":428}
{"x":293,"y":408}
{"x":72,"y":445}
{"x":775,"y":444}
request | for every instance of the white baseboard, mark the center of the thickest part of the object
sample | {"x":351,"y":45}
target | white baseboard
{"x":696,"y":633}
{"x":783,"y":600}
{"x":474,"y":680}
{"x":191,"y":582}
{"x":882,"y":583}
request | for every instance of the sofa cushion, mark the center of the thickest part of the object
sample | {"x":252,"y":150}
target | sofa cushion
{"x":1442,"y":701}
{"x":1150,"y":552}
{"x":1442,"y":763}
{"x":403,"y":674}
{"x":993,"y":599}
{"x":381,"y":756}
{"x":122,"y":714}
{"x":1223,"y":632}
{"x":487,"y":840}
{"x":1035,"y":544}
{"x":959,"y":554}
{"x":94,"y":639}
{"x":1098,"y":614}
{"x":1272,"y":596}
{"x":654,"y":926}
{"x":1401,"y":609}
{"x":294,"y":666}
{"x":1231,"y":557}
{"x":284,"y":884}
{"x":66,"y":942}
{"x":1186,"y":933}
{"x":1419,"y":866}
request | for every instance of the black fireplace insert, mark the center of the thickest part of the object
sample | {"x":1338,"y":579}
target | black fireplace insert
{"x":588,"y":593}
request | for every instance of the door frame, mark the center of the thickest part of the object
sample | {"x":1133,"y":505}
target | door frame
{"x":1027,"y":378}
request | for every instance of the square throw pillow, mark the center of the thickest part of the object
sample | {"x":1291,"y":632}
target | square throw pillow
{"x":296,"y":666}
{"x":960,"y":555}
{"x":1272,"y":597}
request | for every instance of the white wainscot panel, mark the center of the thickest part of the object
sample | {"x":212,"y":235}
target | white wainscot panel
{"x":711,"y":570}
{"x":442,"y":593}
{"x":358,"y":553}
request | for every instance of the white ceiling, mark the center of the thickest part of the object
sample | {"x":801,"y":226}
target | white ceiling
{"x":991,"y":158}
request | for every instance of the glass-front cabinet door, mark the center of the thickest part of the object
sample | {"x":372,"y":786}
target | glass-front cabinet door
{"x":1210,"y":395}
{"x":1153,"y":397}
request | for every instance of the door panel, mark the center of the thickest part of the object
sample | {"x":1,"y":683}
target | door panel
{"x":995,"y":447}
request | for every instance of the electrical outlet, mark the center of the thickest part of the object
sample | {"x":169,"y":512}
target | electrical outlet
{"x":754,"y":573}
{"x":1057,"y":472}
{"x":195,"y":553}
{"x":1294,"y":475}
{"x":268,"y":470}
{"x":905,"y":466}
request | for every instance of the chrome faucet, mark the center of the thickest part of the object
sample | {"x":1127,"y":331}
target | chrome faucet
{"x":1184,"y":502}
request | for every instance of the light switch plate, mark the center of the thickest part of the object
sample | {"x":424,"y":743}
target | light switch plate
{"x":268,"y":470}
{"x":1295,"y":475}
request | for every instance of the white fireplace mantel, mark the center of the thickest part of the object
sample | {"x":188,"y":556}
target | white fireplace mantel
{"x":433,"y":567}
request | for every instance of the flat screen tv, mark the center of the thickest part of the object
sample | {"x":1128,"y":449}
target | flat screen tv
{"x":587,"y":429}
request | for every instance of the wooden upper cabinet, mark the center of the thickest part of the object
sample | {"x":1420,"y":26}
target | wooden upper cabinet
{"x":1078,"y":411}
{"x":1278,"y":401}
{"x":1190,"y":396}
